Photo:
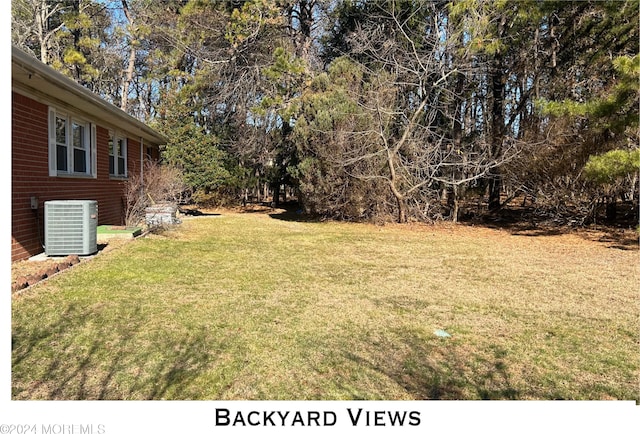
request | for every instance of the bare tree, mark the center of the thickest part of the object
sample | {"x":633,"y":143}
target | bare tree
{"x":34,"y":24}
{"x":410,"y":135}
{"x":128,"y":73}
{"x":158,"y":184}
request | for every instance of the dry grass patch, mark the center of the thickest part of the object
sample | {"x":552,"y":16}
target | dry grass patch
{"x":246,"y":306}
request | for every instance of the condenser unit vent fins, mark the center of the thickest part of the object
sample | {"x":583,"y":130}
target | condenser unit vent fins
{"x":70,"y":227}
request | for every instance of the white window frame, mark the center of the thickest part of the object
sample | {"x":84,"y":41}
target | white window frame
{"x":88,"y":139}
{"x":117,"y":146}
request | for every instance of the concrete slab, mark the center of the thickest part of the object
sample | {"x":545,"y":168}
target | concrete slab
{"x":40,"y":257}
{"x":108,"y":232}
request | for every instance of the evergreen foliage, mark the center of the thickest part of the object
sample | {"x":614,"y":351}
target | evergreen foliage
{"x":613,"y":165}
{"x":197,"y":154}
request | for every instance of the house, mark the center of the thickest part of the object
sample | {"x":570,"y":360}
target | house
{"x":67,"y":143}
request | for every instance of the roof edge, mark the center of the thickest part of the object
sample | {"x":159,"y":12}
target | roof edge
{"x":32,"y":65}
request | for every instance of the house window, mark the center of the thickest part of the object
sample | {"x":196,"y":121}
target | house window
{"x":61,"y":143}
{"x":80,"y":147}
{"x":117,"y":155}
{"x":71,"y":145}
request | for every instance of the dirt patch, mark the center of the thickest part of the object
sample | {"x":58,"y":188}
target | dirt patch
{"x":27,"y":272}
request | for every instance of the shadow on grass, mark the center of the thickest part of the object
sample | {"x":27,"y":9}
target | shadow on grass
{"x":292,"y":212}
{"x":52,"y":364}
{"x":438,"y":369}
{"x":611,"y":237}
{"x":100,"y":367}
{"x":194,"y":212}
{"x":525,"y":223}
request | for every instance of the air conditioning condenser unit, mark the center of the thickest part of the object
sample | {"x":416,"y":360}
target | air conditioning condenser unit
{"x":70,"y":227}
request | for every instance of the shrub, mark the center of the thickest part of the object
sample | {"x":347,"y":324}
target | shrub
{"x":159,"y":183}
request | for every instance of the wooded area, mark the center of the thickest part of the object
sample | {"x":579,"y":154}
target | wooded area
{"x":371,"y":109}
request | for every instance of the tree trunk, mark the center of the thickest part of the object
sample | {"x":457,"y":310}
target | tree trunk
{"x":455,"y":205}
{"x":498,"y":81}
{"x":301,"y":20}
{"x":611,"y":210}
{"x":402,"y":208}
{"x":128,"y":76}
{"x":495,"y":186}
{"x":42,"y":29}
{"x":400,"y":199}
{"x":275,"y":202}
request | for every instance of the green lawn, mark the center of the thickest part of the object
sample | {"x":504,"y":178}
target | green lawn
{"x":244,"y":306}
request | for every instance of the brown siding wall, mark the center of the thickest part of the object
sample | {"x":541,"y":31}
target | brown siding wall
{"x":30,"y":177}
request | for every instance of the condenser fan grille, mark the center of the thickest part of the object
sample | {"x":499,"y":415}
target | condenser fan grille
{"x":71,"y":227}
